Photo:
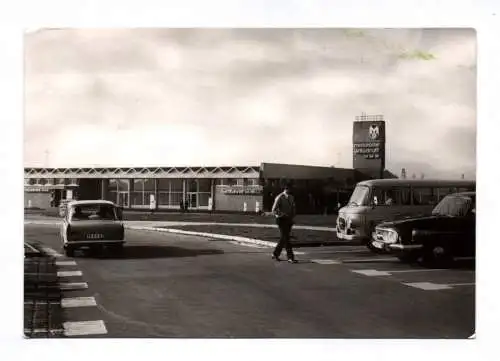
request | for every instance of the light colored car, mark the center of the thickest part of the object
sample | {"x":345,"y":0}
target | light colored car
{"x":92,"y":224}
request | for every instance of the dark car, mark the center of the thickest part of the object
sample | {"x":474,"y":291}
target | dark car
{"x":450,"y":232}
{"x":92,"y":224}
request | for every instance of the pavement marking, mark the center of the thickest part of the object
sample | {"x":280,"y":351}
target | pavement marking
{"x":371,"y":272}
{"x":69,"y":273}
{"x":428,"y":286}
{"x":84,"y":328}
{"x":74,"y":286}
{"x":51,"y":252}
{"x":248,"y":244}
{"x":325,"y":261}
{"x":78,"y":302}
{"x":416,"y":270}
{"x":65,"y":263}
{"x":362,"y":260}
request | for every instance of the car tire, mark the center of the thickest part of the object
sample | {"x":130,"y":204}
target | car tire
{"x":437,"y":255}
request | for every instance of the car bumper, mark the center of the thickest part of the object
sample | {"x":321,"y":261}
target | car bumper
{"x":94,"y":243}
{"x":351,"y":237}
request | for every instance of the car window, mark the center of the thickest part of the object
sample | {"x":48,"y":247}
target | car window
{"x":93,"y":212}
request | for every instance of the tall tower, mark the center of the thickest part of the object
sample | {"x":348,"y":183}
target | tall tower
{"x":369,"y":145}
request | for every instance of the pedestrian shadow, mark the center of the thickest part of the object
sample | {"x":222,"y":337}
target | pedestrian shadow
{"x":150,"y":252}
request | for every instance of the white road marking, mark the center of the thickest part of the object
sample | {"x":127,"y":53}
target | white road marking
{"x":51,"y":252}
{"x":69,"y":273}
{"x":415,"y":270}
{"x":361,"y":260}
{"x":325,"y":261}
{"x":78,"y":302}
{"x":251,"y":245}
{"x":84,"y":328}
{"x":73,"y":286}
{"x":65,"y":263}
{"x":428,"y":286}
{"x":371,"y":272}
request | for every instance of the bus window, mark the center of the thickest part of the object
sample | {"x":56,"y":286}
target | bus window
{"x":423,"y":196}
{"x":403,"y":196}
{"x":392,"y":196}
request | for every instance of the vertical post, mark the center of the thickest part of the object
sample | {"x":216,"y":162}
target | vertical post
{"x":212,"y":193}
{"x":184,"y":198}
{"x":104,"y":188}
{"x":157,"y":182}
{"x":130,"y":191}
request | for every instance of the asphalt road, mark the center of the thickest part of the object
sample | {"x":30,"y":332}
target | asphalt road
{"x":167,"y":285}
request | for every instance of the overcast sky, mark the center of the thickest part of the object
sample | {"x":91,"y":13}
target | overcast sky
{"x":145,"y":97}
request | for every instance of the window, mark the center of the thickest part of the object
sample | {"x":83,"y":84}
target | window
{"x":391,"y":196}
{"x":93,"y":211}
{"x":423,"y":196}
{"x":253,"y":182}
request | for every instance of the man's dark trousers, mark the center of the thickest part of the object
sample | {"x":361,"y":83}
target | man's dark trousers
{"x":285,"y":225}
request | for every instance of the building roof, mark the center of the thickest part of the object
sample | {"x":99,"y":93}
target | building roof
{"x":420,"y":182}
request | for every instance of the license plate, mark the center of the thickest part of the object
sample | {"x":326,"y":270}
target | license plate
{"x":95,"y":236}
{"x":377,"y":244}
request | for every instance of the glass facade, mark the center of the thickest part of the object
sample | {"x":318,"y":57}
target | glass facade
{"x":170,"y":193}
{"x":141,"y":192}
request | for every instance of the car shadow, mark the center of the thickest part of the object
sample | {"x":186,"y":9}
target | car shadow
{"x":148,"y":252}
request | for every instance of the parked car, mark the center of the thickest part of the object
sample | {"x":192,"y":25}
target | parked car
{"x":92,"y":224}
{"x":450,"y":232}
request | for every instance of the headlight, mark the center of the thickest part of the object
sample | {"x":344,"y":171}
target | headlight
{"x":391,"y":236}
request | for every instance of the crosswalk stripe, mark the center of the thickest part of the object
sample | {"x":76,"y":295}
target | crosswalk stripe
{"x":69,"y":273}
{"x":84,"y":328}
{"x":78,"y":302}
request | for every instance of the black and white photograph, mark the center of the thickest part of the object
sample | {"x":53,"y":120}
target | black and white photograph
{"x":250,"y":183}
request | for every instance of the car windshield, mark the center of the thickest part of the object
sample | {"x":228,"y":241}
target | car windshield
{"x":93,"y":212}
{"x":453,"y":206}
{"x":360,"y":196}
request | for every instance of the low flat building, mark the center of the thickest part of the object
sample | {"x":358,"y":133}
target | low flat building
{"x":229,"y":188}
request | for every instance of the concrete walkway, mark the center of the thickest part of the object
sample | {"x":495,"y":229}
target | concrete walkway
{"x":161,"y":224}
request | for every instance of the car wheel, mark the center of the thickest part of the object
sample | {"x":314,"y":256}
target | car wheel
{"x":437,"y":255}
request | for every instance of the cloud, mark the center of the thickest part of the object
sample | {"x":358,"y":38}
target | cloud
{"x":242,"y":96}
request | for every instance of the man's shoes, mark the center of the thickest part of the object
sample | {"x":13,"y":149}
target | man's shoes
{"x":291,"y":260}
{"x":276,"y":258}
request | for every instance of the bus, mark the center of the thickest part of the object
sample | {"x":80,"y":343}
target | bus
{"x":379,"y":200}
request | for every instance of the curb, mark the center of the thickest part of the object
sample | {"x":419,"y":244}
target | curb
{"x":202,"y":234}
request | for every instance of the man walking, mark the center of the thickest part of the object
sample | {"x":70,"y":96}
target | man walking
{"x":284,"y":211}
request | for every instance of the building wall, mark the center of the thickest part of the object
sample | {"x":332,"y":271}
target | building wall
{"x":38,"y":200}
{"x":234,"y":202}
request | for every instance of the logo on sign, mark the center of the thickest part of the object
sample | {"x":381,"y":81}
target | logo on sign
{"x":374,"y":132}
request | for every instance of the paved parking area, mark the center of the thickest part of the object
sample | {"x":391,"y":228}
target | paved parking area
{"x":167,"y":285}
{"x":361,"y":261}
